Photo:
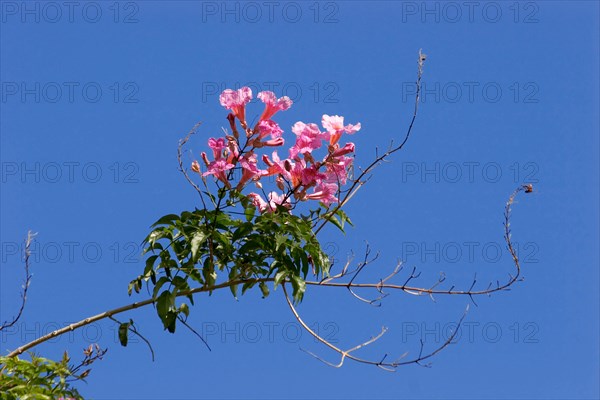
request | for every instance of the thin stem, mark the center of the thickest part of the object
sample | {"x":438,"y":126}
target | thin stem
{"x":358,"y":183}
{"x":28,"y":241}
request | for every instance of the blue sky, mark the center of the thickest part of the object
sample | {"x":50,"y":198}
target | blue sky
{"x":95,"y":97}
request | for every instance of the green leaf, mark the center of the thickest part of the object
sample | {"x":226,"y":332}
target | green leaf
{"x":242,"y":231}
{"x":249,"y":213}
{"x":233,"y":274}
{"x":299,"y":287}
{"x":344,"y":217}
{"x":159,"y":284}
{"x":280,"y":276}
{"x":336,"y":222}
{"x":166,"y":220}
{"x":247,"y":286}
{"x":165,"y":307}
{"x":264,"y":289}
{"x":150,"y":264}
{"x":123,"y":330}
{"x":198,"y":239}
{"x":183,"y":308}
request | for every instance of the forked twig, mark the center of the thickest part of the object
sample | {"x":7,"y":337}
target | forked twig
{"x":347,"y":354}
{"x":28,"y":241}
{"x":182,"y":169}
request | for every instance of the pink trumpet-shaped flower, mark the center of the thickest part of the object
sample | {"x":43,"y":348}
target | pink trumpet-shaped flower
{"x":269,"y":127}
{"x":233,"y":152}
{"x":275,"y":200}
{"x":249,"y":170}
{"x":218,"y":168}
{"x":270,"y":143}
{"x":217,"y":146}
{"x":273,"y":104}
{"x":278,"y":200}
{"x":276,"y":166}
{"x":334,"y":125}
{"x":236,"y":100}
{"x":347,"y":149}
{"x":258,"y":201}
{"x":325,"y":192}
{"x":311,"y":176}
{"x":337,"y":170}
{"x":308,"y":138}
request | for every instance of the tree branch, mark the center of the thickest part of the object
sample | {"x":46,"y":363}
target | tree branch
{"x":128,"y":307}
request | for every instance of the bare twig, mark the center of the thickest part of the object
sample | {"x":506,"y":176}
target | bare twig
{"x":415,"y":290}
{"x":182,"y":169}
{"x":28,"y":241}
{"x":194,"y":332}
{"x":362,"y":177}
{"x":347,"y":354}
{"x":92,"y":354}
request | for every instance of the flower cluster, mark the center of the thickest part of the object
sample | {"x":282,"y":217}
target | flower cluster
{"x":300,"y":176}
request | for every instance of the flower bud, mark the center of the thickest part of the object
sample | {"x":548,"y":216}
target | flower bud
{"x":280,"y":183}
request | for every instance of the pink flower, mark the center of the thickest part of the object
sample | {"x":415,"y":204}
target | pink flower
{"x":236,"y":100}
{"x":270,"y":143}
{"x":308,"y":138}
{"x":347,"y":149}
{"x":233,"y":152}
{"x":325,"y":192}
{"x":273,"y":104}
{"x":296,"y":170}
{"x":249,"y":169}
{"x":276,"y":166}
{"x":218,"y":168}
{"x":311,"y":176}
{"x":217,"y":146}
{"x":269,"y":127}
{"x":274,"y":201}
{"x":337,"y":170}
{"x":335,"y":127}
{"x":278,"y":200}
{"x":258,"y":201}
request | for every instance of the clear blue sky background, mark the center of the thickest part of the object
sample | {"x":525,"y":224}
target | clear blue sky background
{"x":102,"y":167}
